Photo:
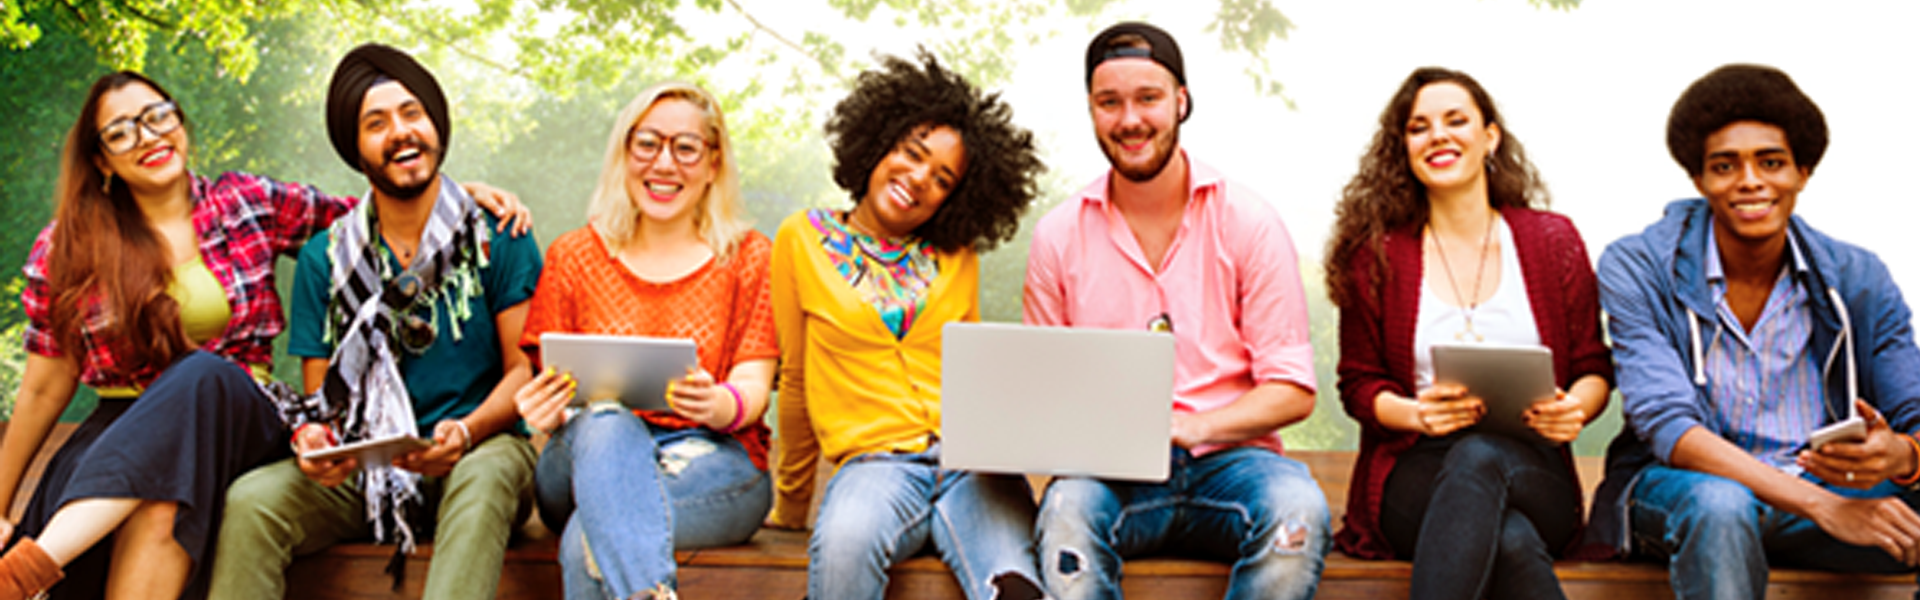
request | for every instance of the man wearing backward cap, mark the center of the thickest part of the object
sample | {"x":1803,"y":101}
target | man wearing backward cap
{"x":1207,"y":261}
{"x":406,"y":313}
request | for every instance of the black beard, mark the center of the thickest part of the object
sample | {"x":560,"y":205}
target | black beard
{"x":397,"y":191}
{"x":377,"y":176}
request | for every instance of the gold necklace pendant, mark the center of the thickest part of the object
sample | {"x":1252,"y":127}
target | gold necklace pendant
{"x":1467,"y":334}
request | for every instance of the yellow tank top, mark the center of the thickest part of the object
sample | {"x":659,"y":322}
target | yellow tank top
{"x":203,"y":303}
{"x":203,"y":311}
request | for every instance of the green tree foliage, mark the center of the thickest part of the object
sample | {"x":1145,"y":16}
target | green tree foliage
{"x":535,"y":86}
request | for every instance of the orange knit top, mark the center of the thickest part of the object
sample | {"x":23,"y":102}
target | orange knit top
{"x":726,"y":308}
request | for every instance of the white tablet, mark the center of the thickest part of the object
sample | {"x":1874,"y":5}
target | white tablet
{"x":379,"y":451}
{"x":632,"y":369}
{"x":1509,"y":379}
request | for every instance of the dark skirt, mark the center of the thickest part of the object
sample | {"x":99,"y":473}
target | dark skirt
{"x":202,"y":424}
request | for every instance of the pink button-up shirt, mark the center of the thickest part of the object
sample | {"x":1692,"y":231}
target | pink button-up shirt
{"x":1229,"y":283}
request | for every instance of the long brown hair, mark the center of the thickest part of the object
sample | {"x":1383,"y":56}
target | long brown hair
{"x":107,"y":262}
{"x":1385,"y":196}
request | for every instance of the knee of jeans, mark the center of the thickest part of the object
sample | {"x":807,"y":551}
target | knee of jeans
{"x":1071,"y":504}
{"x":1293,"y":524}
{"x":1482,"y":452}
{"x":1293,"y":536}
{"x":1715,"y":503}
{"x":840,"y":539}
{"x":674,"y":458}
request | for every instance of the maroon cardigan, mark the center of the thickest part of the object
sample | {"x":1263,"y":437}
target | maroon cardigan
{"x":1376,"y":347}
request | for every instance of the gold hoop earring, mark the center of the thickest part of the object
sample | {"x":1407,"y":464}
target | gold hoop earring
{"x":106,"y":187}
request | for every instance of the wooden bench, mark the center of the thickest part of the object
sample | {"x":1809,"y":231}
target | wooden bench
{"x":774,"y":565}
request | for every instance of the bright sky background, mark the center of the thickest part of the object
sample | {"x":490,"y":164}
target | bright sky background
{"x":1587,"y":90}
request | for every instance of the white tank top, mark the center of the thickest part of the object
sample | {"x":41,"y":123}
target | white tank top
{"x":1506,"y":318}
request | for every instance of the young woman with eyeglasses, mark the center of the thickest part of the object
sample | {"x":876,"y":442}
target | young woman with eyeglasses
{"x":666,"y":253}
{"x":154,"y":286}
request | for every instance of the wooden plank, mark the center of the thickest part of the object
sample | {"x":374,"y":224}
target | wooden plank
{"x":774,"y":563}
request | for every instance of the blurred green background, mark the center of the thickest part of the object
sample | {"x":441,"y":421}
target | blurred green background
{"x":535,"y":86}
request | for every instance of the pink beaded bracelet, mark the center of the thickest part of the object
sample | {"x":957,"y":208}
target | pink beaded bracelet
{"x":739,"y":408}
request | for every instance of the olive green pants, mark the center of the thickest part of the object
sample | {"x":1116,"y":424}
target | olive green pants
{"x":274,"y":513}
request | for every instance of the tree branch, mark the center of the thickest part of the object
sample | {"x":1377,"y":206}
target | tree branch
{"x":446,"y":43}
{"x":155,"y":21}
{"x":824,"y":67}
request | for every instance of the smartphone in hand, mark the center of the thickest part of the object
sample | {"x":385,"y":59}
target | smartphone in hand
{"x":1852,"y":430}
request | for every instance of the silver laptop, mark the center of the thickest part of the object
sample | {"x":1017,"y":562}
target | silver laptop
{"x":632,"y":369}
{"x":1056,"y":401}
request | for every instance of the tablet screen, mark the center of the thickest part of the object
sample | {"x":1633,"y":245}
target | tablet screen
{"x":1509,"y":379}
{"x":633,"y":369}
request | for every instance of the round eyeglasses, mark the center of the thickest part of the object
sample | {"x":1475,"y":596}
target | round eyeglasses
{"x":688,"y":149}
{"x":123,"y":134}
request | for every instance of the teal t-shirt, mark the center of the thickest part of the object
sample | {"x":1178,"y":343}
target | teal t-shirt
{"x":451,"y":378}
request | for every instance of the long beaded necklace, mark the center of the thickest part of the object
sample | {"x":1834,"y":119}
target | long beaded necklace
{"x":1466,"y":305}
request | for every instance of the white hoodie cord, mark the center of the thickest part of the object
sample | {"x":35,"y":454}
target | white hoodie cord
{"x":1699,"y":358}
{"x":1846,"y":337}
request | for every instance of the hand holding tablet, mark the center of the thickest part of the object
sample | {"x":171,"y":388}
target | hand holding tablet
{"x":633,"y":369}
{"x":1510,"y":380}
{"x":379,"y":451}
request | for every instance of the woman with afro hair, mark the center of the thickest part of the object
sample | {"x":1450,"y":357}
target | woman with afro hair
{"x":937,"y":172}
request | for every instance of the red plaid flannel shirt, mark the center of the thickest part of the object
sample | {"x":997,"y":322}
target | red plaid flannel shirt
{"x":243,"y":221}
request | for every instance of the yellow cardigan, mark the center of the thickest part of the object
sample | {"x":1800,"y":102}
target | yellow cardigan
{"x":847,"y":386}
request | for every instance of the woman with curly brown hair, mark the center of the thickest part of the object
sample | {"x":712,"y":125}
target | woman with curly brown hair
{"x":937,"y":172}
{"x":1446,"y":182}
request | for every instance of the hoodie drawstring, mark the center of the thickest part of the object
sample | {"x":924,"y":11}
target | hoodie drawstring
{"x":1846,"y":337}
{"x":1699,"y":358}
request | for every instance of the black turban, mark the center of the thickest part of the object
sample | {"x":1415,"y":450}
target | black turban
{"x":360,"y":70}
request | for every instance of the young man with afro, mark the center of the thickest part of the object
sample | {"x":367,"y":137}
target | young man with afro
{"x":1739,"y":330}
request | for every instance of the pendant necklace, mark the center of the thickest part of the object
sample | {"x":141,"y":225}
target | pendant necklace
{"x":1472,"y":302}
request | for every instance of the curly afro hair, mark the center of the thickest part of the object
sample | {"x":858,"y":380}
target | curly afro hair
{"x":890,"y":102}
{"x":1744,"y":93}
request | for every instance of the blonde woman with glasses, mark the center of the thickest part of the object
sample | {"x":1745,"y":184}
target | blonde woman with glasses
{"x":666,"y":253}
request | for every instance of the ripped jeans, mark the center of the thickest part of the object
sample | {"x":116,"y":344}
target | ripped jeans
{"x":621,"y":515}
{"x":882,"y":508}
{"x":1259,"y":510}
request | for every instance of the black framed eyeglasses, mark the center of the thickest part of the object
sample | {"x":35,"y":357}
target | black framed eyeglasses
{"x":123,"y":134}
{"x":687,"y":148}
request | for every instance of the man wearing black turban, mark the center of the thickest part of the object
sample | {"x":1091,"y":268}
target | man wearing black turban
{"x":407,"y":314}
{"x":365,"y":68}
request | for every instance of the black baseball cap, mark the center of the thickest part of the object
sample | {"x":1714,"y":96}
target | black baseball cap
{"x":1160,"y":49}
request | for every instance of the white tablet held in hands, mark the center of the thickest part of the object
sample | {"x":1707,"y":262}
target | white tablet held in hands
{"x":378,"y":451}
{"x":632,"y":369}
{"x":1509,"y":379}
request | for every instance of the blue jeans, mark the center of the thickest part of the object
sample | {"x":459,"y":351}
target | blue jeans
{"x":625,"y":494}
{"x":1719,"y":538}
{"x":1481,"y":515}
{"x":1259,"y":510}
{"x":881,"y":509}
